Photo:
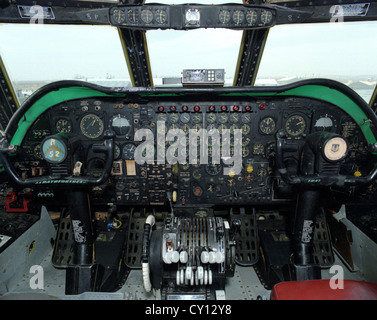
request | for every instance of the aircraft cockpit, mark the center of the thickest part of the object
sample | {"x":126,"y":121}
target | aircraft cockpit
{"x":188,"y":151}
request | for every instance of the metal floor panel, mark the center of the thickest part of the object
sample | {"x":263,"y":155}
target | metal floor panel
{"x":245,"y":285}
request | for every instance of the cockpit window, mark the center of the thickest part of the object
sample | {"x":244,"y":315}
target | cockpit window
{"x":340,"y":51}
{"x":35,"y":55}
{"x":172,"y":51}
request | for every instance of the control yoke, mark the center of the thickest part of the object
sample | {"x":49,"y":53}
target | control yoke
{"x":321,"y":147}
{"x":55,"y":150}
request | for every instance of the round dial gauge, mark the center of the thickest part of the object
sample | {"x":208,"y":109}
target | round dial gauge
{"x":267,"y":125}
{"x":185,"y":117}
{"x":222,"y":128}
{"x":234,"y":117}
{"x":63,"y":126}
{"x":133,"y":15}
{"x":196,"y":174}
{"x":146,"y":16}
{"x":224,"y":16}
{"x":258,"y":148}
{"x":238,"y":16}
{"x":335,"y":149}
{"x":266,"y":16}
{"x":295,"y":125}
{"x":54,"y":150}
{"x":245,"y":152}
{"x":186,"y":128}
{"x":161,"y":16}
{"x":223,"y":117}
{"x":91,"y":126}
{"x":211,"y":118}
{"x":245,"y":129}
{"x":197,"y":127}
{"x":251,"y":17}
{"x":232,"y":128}
{"x":173,"y":117}
{"x":119,"y":15}
{"x":162,"y":117}
{"x":120,"y":124}
{"x":116,"y":151}
{"x":128,"y":151}
{"x":246,"y":118}
{"x":245,"y":141}
{"x":196,"y":118}
{"x":213,"y":169}
{"x":37,"y":151}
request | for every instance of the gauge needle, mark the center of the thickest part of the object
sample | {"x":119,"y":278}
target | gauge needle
{"x":91,"y":124}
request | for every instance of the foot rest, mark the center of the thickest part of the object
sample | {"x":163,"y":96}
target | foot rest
{"x":134,"y":248}
{"x":247,"y":238}
{"x":322,"y":246}
{"x":63,"y":249}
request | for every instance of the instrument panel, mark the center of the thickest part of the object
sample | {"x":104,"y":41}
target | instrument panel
{"x":156,"y":158}
{"x":192,"y":16}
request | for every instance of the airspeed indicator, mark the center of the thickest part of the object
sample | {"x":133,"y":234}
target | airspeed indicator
{"x":91,"y":126}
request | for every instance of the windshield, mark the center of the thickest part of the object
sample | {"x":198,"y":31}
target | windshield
{"x":35,"y":55}
{"x":343,"y":51}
